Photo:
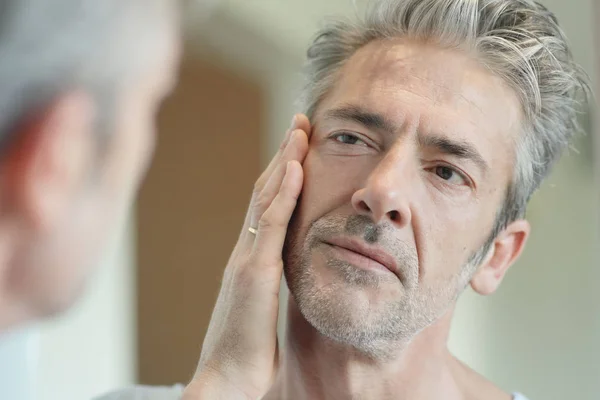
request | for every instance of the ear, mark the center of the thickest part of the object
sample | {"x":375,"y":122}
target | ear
{"x":49,"y":160}
{"x":505,"y":250}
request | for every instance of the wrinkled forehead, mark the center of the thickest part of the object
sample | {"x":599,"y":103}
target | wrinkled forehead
{"x":439,"y":87}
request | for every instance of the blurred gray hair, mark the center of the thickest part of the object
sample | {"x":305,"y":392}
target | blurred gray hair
{"x":518,"y":40}
{"x":48,"y":47}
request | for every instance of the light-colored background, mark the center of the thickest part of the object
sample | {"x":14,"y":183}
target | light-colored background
{"x":539,"y":334}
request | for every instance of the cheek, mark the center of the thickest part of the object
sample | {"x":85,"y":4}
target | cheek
{"x":329,"y":182}
{"x":453,"y":238}
{"x":448,"y":234}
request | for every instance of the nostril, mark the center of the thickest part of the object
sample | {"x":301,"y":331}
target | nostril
{"x":363,"y":206}
{"x":394,"y":216}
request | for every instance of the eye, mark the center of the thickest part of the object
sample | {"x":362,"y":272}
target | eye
{"x":450,"y":175}
{"x":348,"y":138}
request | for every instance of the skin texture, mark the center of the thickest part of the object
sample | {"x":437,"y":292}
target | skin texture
{"x":409,"y":157}
{"x":65,"y":190}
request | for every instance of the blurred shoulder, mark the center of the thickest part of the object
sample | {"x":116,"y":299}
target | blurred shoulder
{"x":145,"y":393}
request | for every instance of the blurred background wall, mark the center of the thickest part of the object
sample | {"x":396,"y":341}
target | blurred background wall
{"x":144,"y":318}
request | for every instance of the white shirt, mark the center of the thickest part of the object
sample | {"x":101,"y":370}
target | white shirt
{"x":173,"y":393}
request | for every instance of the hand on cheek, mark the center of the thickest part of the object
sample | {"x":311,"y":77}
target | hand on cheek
{"x":240,"y":353}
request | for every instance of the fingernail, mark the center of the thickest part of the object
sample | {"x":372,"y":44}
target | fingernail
{"x":288,"y":135}
{"x":293,"y":125}
{"x":293,"y":136}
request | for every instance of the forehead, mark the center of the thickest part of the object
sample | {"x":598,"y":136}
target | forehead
{"x":429,"y":88}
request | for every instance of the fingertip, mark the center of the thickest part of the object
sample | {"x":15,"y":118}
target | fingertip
{"x":298,"y":146}
{"x":302,"y":122}
{"x":294,"y":176}
{"x":294,"y":123}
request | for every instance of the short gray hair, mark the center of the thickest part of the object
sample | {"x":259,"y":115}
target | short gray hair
{"x":518,"y":40}
{"x":48,"y":47}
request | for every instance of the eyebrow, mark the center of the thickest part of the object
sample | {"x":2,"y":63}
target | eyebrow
{"x":458,"y":149}
{"x":375,"y":121}
{"x":367,"y":119}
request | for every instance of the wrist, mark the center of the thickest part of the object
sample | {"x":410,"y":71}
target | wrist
{"x":208,"y":386}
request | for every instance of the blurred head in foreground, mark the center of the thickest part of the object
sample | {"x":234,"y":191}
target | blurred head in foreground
{"x":80,"y":84}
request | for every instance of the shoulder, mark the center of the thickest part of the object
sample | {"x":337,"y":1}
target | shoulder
{"x":145,"y":393}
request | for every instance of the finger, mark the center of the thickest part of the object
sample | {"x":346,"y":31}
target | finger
{"x":266,"y":174}
{"x":289,"y":131}
{"x":273,"y":224}
{"x":299,"y":121}
{"x":299,"y":141}
{"x":296,"y":151}
{"x":302,"y":122}
{"x":264,"y":177}
{"x":296,"y":148}
{"x":261,"y":202}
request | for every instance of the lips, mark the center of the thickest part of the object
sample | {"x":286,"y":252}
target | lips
{"x":375,"y":253}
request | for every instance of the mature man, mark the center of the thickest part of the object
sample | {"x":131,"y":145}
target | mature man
{"x":432,"y":122}
{"x":80,"y":83}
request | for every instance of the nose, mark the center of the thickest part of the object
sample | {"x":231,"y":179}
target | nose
{"x":386,"y":192}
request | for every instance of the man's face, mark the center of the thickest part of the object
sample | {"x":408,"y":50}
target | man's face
{"x":408,"y":163}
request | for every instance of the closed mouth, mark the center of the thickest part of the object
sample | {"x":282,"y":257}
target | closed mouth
{"x":374,"y":253}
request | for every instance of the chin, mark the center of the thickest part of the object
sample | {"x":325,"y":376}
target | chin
{"x":364,"y":309}
{"x":363,"y":317}
{"x":351,"y":322}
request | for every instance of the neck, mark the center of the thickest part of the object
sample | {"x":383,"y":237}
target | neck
{"x":12,"y":311}
{"x":315,"y":367}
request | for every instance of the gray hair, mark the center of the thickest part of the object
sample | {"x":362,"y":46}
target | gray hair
{"x":518,"y":40}
{"x":50,"y":47}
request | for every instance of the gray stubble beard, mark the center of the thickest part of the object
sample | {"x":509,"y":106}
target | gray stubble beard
{"x":377,"y":334}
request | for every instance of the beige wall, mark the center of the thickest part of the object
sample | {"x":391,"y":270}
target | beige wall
{"x":190,"y":210}
{"x":596,"y":45}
